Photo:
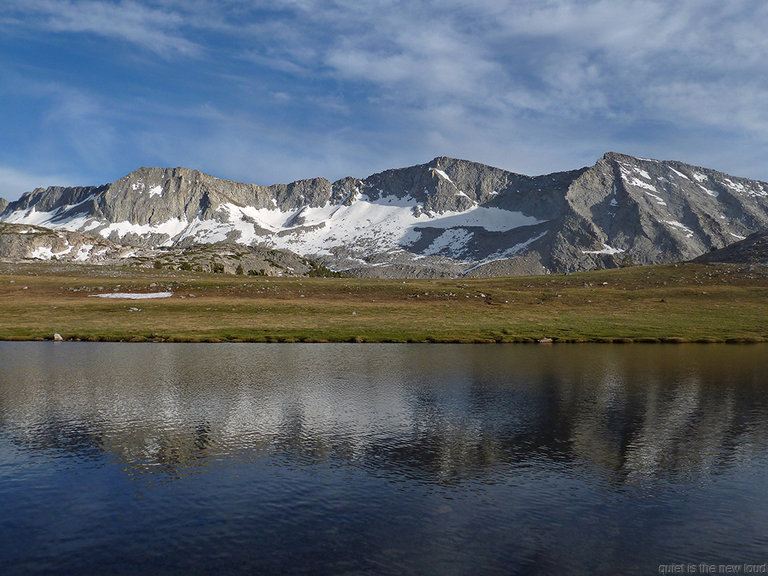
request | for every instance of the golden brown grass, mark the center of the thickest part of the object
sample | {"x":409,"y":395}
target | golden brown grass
{"x":686,"y":302}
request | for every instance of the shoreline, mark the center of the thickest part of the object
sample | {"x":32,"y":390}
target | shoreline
{"x":624,"y":341}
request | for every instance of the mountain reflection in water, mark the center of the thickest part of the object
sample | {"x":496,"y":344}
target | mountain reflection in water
{"x":434,"y":413}
{"x":569,"y":425}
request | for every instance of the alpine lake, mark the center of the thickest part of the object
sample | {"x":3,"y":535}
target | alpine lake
{"x":141,"y":458}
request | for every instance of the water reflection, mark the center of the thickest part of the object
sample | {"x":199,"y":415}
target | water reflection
{"x":437,"y":414}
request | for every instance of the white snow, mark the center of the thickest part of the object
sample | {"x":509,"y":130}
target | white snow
{"x":738,"y":186}
{"x":30,"y":216}
{"x":759,"y":191}
{"x":172,"y":227}
{"x":712,"y":193}
{"x":52,"y":220}
{"x":442,"y":174}
{"x":504,"y":254}
{"x":386,"y":222}
{"x":737,"y":236}
{"x":42,"y":253}
{"x":631,"y":180}
{"x":138,"y":185}
{"x":700,"y":177}
{"x":156,"y":191}
{"x":452,"y":242}
{"x":83,"y":201}
{"x":517,"y":248}
{"x":613,"y":202}
{"x":46,"y":253}
{"x":84,"y":252}
{"x":659,"y":199}
{"x":641,"y":184}
{"x":132,"y":296}
{"x":626,"y":172}
{"x":605,"y":250}
{"x":679,"y":173}
{"x":207,"y":231}
{"x":679,"y":226}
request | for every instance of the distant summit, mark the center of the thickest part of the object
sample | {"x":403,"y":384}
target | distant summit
{"x":447,"y":217}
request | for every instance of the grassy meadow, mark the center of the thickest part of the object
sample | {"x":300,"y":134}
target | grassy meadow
{"x":668,"y":303}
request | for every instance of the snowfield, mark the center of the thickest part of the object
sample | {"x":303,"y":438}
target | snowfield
{"x":384,"y":223}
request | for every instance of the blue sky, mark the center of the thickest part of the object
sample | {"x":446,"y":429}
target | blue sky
{"x":268,"y":92}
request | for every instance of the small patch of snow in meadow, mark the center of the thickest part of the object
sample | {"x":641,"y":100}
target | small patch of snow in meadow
{"x":133,"y":296}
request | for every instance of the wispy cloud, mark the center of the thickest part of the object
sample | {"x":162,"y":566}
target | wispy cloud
{"x":154,"y":29}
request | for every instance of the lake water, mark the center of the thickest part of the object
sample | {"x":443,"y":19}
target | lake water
{"x":382,"y":459}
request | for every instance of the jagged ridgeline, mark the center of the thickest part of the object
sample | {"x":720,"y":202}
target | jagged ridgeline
{"x":444,"y":218}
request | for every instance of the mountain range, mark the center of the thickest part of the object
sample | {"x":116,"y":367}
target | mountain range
{"x":447,"y":217}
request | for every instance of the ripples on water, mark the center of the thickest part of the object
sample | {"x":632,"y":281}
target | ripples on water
{"x":381,"y":459}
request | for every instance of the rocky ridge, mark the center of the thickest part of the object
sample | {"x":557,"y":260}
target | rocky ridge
{"x":25,"y":242}
{"x":447,"y":217}
{"x":752,"y":250}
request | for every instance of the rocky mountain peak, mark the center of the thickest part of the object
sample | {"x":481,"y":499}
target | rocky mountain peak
{"x":448,"y":216}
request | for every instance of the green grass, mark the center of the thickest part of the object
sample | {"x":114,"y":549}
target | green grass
{"x":669,"y":303}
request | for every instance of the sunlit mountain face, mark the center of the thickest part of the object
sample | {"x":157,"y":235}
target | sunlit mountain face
{"x":445,"y":218}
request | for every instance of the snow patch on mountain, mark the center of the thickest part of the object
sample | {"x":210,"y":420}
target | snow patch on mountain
{"x":679,"y":226}
{"x":453,"y":242}
{"x":46,"y":253}
{"x":712,"y":193}
{"x":171,"y":228}
{"x":606,"y":249}
{"x":84,"y":252}
{"x":679,"y":173}
{"x":442,"y":175}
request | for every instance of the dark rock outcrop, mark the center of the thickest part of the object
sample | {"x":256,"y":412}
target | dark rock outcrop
{"x":751,"y":250}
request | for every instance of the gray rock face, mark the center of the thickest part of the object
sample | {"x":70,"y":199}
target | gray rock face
{"x":444,"y":218}
{"x":25,"y":242}
{"x":3,"y":204}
